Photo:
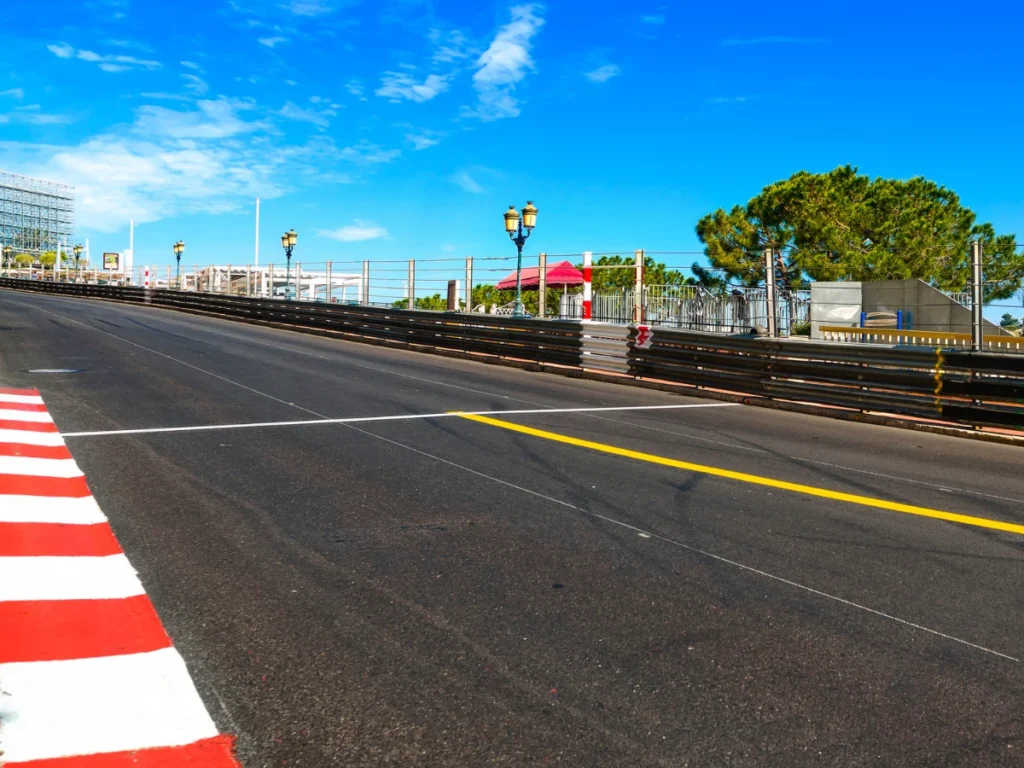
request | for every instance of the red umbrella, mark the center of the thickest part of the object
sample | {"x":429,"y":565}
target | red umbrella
{"x":561,"y":274}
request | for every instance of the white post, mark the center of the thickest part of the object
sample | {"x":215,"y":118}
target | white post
{"x":365,"y":287}
{"x":330,"y":284}
{"x":769,"y":291}
{"x":977,"y":298}
{"x":469,"y":283}
{"x":542,"y":285}
{"x":638,"y":288}
{"x":256,"y":256}
{"x":412,"y":285}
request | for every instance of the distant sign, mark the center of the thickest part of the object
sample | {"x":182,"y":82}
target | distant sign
{"x":112,"y":261}
{"x":644,"y":336}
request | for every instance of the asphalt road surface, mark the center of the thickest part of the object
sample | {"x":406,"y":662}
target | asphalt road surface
{"x":704,"y":584}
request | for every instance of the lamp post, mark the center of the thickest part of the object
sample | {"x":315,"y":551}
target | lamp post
{"x":515,"y":225}
{"x":7,"y":252}
{"x":78,"y":256}
{"x":288,"y":241}
{"x":179,"y":248}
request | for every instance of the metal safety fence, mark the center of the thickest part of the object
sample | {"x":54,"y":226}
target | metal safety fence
{"x":951,"y":386}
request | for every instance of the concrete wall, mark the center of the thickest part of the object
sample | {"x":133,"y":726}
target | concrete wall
{"x":924,"y":308}
{"x":834,"y":304}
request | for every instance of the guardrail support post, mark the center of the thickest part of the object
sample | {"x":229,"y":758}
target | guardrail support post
{"x":588,"y":259}
{"x":977,"y":298}
{"x":542,"y":287}
{"x":469,"y":283}
{"x":638,"y":288}
{"x":771,"y":305}
{"x":412,"y":285}
{"x":329,"y":290}
{"x":365,"y":287}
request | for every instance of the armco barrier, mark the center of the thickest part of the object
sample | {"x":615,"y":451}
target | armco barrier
{"x":948,"y":385}
{"x":980,"y":389}
{"x":551,"y":341}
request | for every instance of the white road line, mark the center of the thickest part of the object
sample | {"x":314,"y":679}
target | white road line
{"x":67,"y":578}
{"x":52,"y":709}
{"x":23,"y":437}
{"x":36,"y":416}
{"x":21,"y":465}
{"x":50,"y":509}
{"x":398,"y":417}
{"x":27,"y":399}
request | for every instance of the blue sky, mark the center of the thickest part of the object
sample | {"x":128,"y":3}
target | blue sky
{"x":401,"y":128}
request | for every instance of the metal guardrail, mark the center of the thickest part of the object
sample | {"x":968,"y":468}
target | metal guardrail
{"x":548,"y":341}
{"x":977,"y":388}
{"x":843,"y":333}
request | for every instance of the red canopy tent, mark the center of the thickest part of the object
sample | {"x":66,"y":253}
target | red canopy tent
{"x":561,"y":274}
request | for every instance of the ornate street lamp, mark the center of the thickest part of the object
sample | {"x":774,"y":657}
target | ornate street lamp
{"x":78,"y":256}
{"x":179,"y":248}
{"x":8,"y":252}
{"x":288,"y":241}
{"x":515,"y":227}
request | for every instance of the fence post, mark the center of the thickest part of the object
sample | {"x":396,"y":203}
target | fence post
{"x":638,"y":288}
{"x":977,"y":298}
{"x":297,"y":281}
{"x":542,"y":288}
{"x":329,"y":291}
{"x":588,"y":258}
{"x":469,"y":283}
{"x":365,"y":287}
{"x":771,"y":306}
{"x":412,"y":285}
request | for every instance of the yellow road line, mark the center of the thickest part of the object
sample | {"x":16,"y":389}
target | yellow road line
{"x":809,"y":490}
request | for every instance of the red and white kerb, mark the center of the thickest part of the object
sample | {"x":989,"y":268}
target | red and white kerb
{"x":88,"y":676}
{"x":588,"y":259}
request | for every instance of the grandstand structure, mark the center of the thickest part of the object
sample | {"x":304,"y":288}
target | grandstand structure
{"x":35,"y":214}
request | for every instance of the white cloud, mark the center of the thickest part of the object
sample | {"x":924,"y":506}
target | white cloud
{"x":164,"y":96}
{"x":451,"y":47}
{"x":602,"y":74}
{"x":355,"y":88}
{"x":133,"y":45}
{"x":504,"y":64}
{"x":309,"y":7}
{"x":466,"y":182}
{"x":195,"y":84}
{"x":191,"y":65}
{"x":367,"y":153}
{"x":655,"y":19}
{"x":30,"y":115}
{"x":272,"y":42}
{"x":214,"y":119}
{"x":106,"y":62}
{"x":61,"y":50}
{"x":423,"y":139}
{"x":293,"y":111}
{"x":396,"y":86}
{"x":15,"y":93}
{"x":356,"y":232}
{"x":728,"y":99}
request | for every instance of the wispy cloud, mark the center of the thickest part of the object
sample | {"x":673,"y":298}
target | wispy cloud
{"x":728,"y":99}
{"x":400,"y":86}
{"x":467,"y":183}
{"x":356,"y":232}
{"x":292,"y":111}
{"x":191,"y":65}
{"x":504,"y":64}
{"x":106,"y":62}
{"x":602,"y":74}
{"x":654,"y":19}
{"x":423,"y":139}
{"x":272,"y":42}
{"x":451,"y":47}
{"x":30,"y":115}
{"x":195,"y":83}
{"x":368,"y":153}
{"x":773,"y":40}
{"x":355,"y":88}
{"x":309,"y":7}
{"x":61,"y":50}
{"x":15,"y":93}
{"x":212,"y":119}
{"x":131,"y":45}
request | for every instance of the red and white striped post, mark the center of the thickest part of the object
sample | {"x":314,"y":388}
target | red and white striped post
{"x":588,"y":258}
{"x":146,"y":279}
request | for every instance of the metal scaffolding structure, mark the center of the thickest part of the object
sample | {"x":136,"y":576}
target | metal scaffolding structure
{"x":35,"y":214}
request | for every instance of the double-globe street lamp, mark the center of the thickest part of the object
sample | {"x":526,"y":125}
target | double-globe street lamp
{"x":8,"y":253}
{"x":179,"y":248}
{"x":77,"y":250}
{"x":288,"y":241}
{"x":515,"y":227}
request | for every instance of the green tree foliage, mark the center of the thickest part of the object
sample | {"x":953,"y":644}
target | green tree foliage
{"x":1009,"y":322}
{"x":48,"y":259}
{"x":655,"y":273}
{"x":24,"y":260}
{"x":842,"y":225}
{"x":436,"y":302}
